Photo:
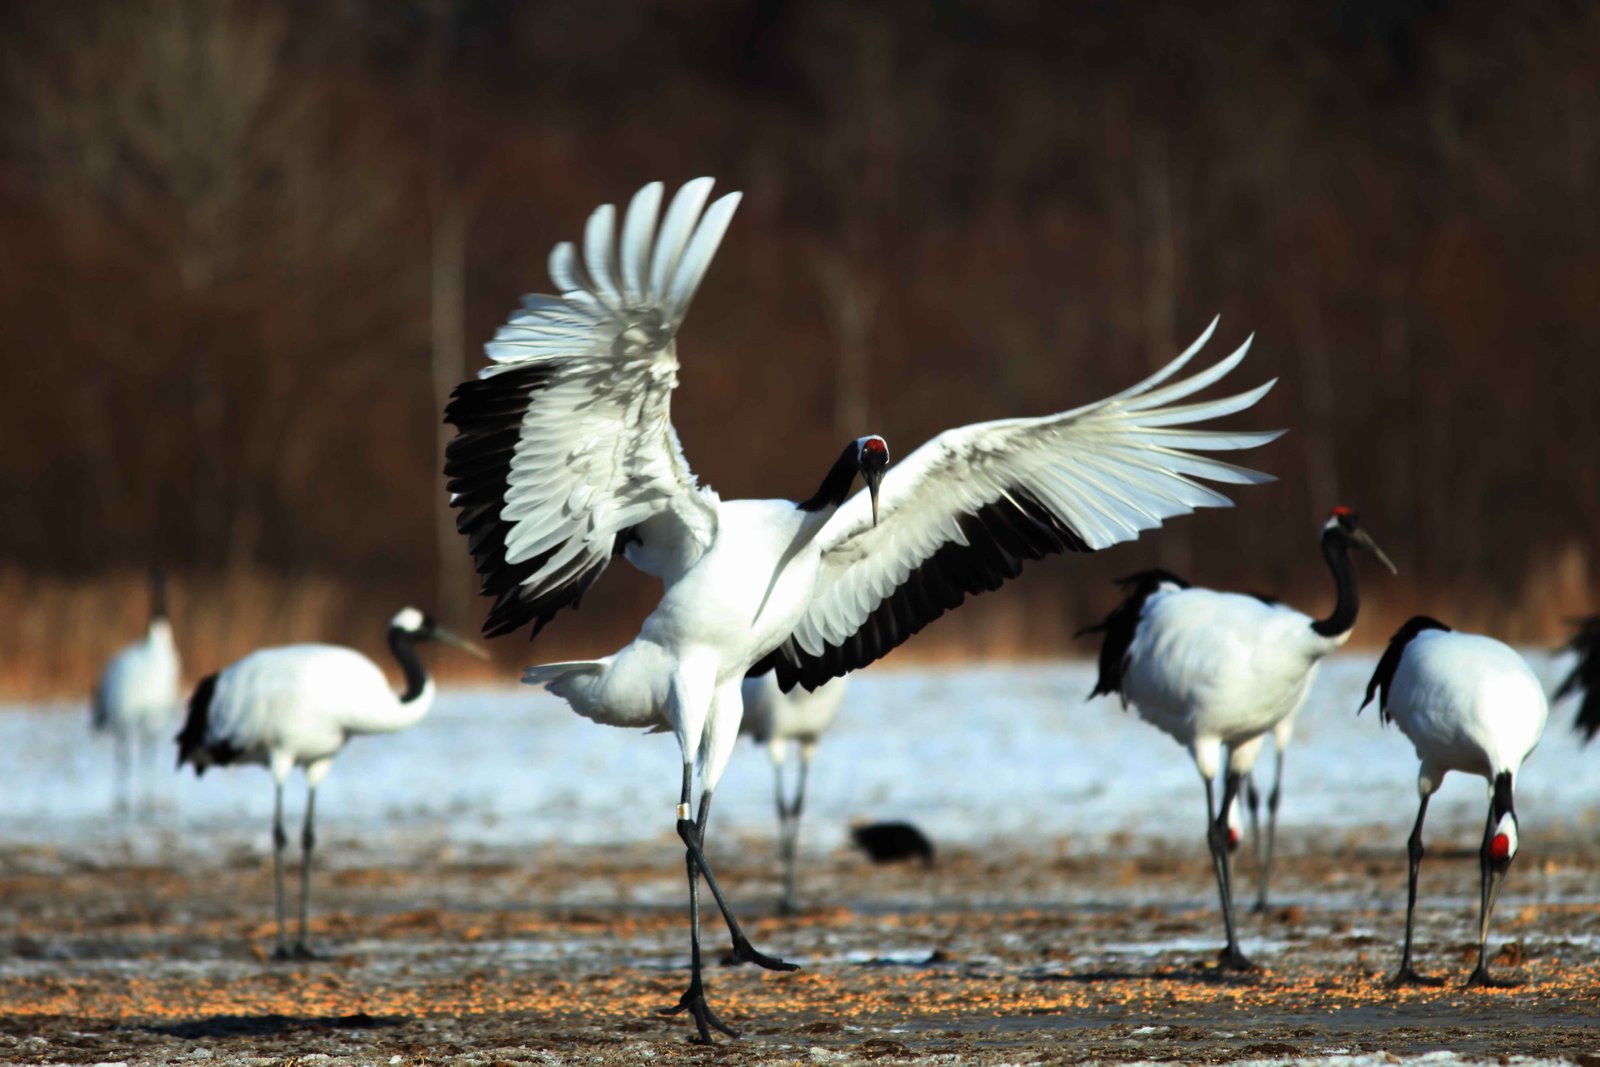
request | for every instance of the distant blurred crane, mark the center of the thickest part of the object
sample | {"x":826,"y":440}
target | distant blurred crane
{"x":567,"y":456}
{"x":297,"y":706}
{"x":781,"y":721}
{"x":1223,"y":669}
{"x":1471,"y":704}
{"x":1585,"y":677}
{"x":137,"y":694}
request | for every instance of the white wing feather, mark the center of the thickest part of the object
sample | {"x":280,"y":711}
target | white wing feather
{"x":591,"y":372}
{"x":1086,"y":478}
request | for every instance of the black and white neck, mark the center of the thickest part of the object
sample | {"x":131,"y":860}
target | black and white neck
{"x":840,"y":479}
{"x":1336,"y":550}
{"x":403,"y":643}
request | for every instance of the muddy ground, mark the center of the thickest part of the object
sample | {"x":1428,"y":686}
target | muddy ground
{"x":1058,"y":952}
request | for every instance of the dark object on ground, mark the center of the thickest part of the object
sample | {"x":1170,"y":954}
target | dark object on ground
{"x":890,"y":842}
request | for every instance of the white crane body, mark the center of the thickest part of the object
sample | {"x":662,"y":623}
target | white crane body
{"x":1468,"y":703}
{"x":1214,"y":669}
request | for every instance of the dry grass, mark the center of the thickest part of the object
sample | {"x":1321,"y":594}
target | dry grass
{"x":60,"y":631}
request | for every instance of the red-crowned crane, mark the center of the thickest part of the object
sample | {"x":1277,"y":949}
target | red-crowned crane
{"x":297,"y":706}
{"x":1221,"y":670}
{"x":781,"y":721}
{"x":566,"y":456}
{"x":1471,"y":704}
{"x":137,"y":694}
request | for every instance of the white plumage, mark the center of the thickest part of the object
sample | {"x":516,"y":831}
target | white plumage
{"x":1471,"y":704}
{"x":1218,"y":671}
{"x":137,"y":694}
{"x":783,"y":721}
{"x":566,"y":455}
{"x":297,"y":706}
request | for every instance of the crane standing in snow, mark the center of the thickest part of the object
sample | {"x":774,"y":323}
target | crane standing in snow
{"x":297,"y":706}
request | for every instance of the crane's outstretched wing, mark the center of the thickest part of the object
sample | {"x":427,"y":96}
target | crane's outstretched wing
{"x":962,"y":513}
{"x":565,"y":448}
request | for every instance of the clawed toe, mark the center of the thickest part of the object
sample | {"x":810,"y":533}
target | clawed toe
{"x":693,"y":1001}
{"x":1481,"y":978}
{"x":1408,"y":975}
{"x":1231,"y":959}
{"x":744,"y":950}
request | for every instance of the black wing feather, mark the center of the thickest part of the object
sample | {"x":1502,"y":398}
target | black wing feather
{"x":1121,"y":625}
{"x":1001,"y":536}
{"x":1389,"y":662}
{"x":1585,"y":677}
{"x":488,"y":414}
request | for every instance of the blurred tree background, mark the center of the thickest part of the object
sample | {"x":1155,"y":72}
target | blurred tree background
{"x":249,"y":247}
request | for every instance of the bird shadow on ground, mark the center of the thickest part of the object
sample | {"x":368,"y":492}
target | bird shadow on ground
{"x":271,"y":1025}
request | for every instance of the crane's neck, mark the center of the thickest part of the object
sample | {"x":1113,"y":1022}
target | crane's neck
{"x":412,"y":705}
{"x":835,"y":488}
{"x":1339,"y":623}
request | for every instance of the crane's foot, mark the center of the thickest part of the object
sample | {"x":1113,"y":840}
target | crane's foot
{"x":1407,"y":975}
{"x":303,"y":952}
{"x":745,"y":951}
{"x":788,"y":906}
{"x":1481,"y":978}
{"x":693,"y":1001}
{"x":1232,"y":959}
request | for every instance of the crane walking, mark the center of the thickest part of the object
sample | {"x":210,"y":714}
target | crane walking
{"x":1468,"y":703}
{"x":138,"y":693}
{"x":566,"y":456}
{"x":297,"y":706}
{"x":1221,"y":670}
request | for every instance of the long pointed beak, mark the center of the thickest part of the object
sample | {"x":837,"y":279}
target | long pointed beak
{"x":1365,"y":540}
{"x":441,"y":634}
{"x":873,"y":479}
{"x":1497,"y":875}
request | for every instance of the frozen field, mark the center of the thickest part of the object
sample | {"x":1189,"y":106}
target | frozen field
{"x":968,"y":753}
{"x":502,"y":885}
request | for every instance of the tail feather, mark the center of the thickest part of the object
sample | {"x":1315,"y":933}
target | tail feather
{"x":1585,"y":677}
{"x":1121,"y":625}
{"x":550,"y":673}
{"x":192,"y":738}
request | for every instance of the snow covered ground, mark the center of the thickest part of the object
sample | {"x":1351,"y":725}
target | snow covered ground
{"x":967,"y":753}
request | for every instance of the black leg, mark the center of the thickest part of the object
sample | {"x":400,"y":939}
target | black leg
{"x":280,"y":841}
{"x":1264,"y":856}
{"x":791,"y":840}
{"x":1490,"y":875}
{"x":1230,"y":958}
{"x":308,"y":841}
{"x":694,"y":998}
{"x":693,"y":835}
{"x":1408,"y":975}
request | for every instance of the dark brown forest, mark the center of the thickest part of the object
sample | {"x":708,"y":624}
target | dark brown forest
{"x":249,"y":248}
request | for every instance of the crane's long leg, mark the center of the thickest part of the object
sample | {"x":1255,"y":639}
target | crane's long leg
{"x":123,"y":803}
{"x":694,"y":998}
{"x":308,"y":841}
{"x":1264,"y":857}
{"x":1407,"y":975}
{"x":791,"y":835}
{"x":280,"y":841}
{"x":1489,"y":878}
{"x":1231,"y":958}
{"x":693,"y":834}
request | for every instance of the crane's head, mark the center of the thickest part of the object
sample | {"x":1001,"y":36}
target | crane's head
{"x":419,"y":626}
{"x":1344,"y":527}
{"x":1499,"y":845}
{"x":872,"y":459}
